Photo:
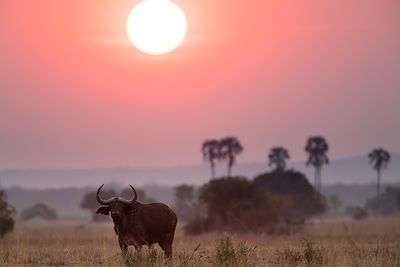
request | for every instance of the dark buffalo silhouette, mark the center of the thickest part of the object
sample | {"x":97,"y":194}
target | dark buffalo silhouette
{"x":140,"y":224}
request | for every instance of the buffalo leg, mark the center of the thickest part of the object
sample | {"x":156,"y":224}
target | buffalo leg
{"x":167,"y":245}
{"x":138,"y":248}
{"x":123,"y":246}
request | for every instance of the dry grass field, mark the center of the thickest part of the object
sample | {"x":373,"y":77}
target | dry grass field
{"x":373,"y":242}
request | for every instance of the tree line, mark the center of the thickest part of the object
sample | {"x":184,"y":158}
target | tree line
{"x":227,"y":149}
{"x":287,"y":196}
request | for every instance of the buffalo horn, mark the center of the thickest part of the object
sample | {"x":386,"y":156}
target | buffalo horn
{"x":134,"y":197}
{"x":101,"y":201}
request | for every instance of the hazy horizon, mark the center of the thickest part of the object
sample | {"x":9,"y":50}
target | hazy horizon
{"x":76,"y":93}
{"x":346,"y":171}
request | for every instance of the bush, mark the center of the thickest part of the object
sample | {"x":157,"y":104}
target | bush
{"x":6,"y":215}
{"x":185,"y":206}
{"x":197,"y":226}
{"x":310,"y":256}
{"x":235,"y":204}
{"x":227,"y":254}
{"x":294,"y":190}
{"x":39,"y":210}
{"x":357,"y":213}
{"x":387,"y":204}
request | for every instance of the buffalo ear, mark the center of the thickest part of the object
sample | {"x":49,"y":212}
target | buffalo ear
{"x":103,"y":210}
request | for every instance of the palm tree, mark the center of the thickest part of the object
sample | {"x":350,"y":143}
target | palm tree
{"x":210,"y":150}
{"x":229,"y":148}
{"x":317,"y":147}
{"x":277,"y":158}
{"x":379,"y":158}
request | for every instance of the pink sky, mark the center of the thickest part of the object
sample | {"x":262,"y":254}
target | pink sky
{"x":75,"y":93}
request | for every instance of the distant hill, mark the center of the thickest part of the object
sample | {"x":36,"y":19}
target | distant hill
{"x":347,"y":171}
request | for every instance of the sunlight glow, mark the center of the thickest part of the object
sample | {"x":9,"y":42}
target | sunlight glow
{"x":156,"y":27}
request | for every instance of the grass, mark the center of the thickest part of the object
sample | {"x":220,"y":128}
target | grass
{"x":373,"y":242}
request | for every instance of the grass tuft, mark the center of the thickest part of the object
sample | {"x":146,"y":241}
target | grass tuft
{"x":227,"y":254}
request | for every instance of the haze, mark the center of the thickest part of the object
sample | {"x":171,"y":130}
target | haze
{"x":75,"y":93}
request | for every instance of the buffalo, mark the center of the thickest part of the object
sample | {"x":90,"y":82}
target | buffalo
{"x":138,"y":224}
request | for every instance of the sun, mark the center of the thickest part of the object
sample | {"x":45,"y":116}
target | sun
{"x":156,"y":27}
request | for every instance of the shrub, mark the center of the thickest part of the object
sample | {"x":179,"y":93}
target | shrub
{"x":289,"y":256}
{"x":357,"y":213}
{"x":227,"y":254}
{"x":312,"y":255}
{"x":6,"y":215}
{"x":387,"y":204}
{"x":39,"y":210}
{"x":235,"y":204}
{"x":295,"y":191}
{"x":197,"y":226}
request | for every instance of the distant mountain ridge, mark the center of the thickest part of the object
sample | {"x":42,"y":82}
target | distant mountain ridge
{"x":347,"y":171}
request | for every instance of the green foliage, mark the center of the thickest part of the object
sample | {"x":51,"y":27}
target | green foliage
{"x":229,"y":148}
{"x":277,"y":158}
{"x":317,"y":147}
{"x":211,"y":153}
{"x":386,"y":204}
{"x":39,"y":210}
{"x":188,"y":259}
{"x":197,"y":226}
{"x":6,"y":215}
{"x":145,"y":257}
{"x":227,"y":254}
{"x":312,"y":255}
{"x":238,"y":205}
{"x":289,"y":256}
{"x":185,"y":205}
{"x":395,"y":254}
{"x":334,"y":204}
{"x":89,"y":200}
{"x":225,"y":149}
{"x":379,"y":158}
{"x":357,"y":213}
{"x":294,"y":190}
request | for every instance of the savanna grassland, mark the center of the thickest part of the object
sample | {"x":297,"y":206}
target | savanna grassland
{"x":373,"y":242}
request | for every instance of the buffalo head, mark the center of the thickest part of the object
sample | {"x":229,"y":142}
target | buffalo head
{"x":114,"y":205}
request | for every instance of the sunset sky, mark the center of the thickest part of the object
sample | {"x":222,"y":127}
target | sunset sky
{"x":74,"y":92}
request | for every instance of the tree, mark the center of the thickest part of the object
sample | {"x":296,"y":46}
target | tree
{"x":386,"y":203}
{"x":229,"y":148}
{"x":89,"y":202}
{"x":334,"y":204}
{"x":141,"y":195}
{"x":235,"y":204}
{"x":6,"y":215}
{"x":294,"y":190}
{"x":184,"y":202}
{"x":184,"y":194}
{"x":277,"y":158}
{"x":379,"y":158}
{"x":358,"y":213}
{"x":39,"y":210}
{"x":210,"y":151}
{"x":317,"y":147}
